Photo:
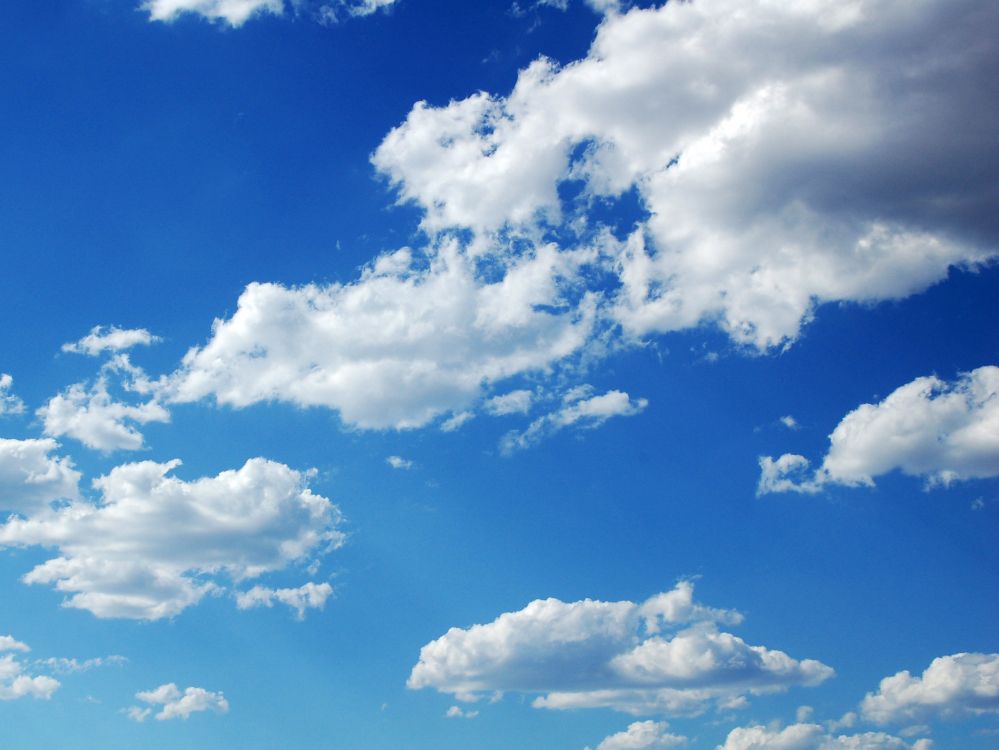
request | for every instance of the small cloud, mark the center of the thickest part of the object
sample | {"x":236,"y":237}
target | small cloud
{"x":112,"y":339}
{"x":515,"y":402}
{"x":176,"y":704}
{"x":456,"y":421}
{"x":309,"y":596}
{"x":456,"y":712}
{"x":398,"y":462}
{"x":978,"y":504}
{"x":9,"y":403}
{"x":790,"y":422}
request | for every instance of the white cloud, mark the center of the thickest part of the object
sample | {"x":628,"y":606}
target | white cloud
{"x":456,"y":421}
{"x":398,"y":462}
{"x":514,"y":402}
{"x":951,"y":687}
{"x":664,"y":655}
{"x":31,"y":478}
{"x":398,"y":347}
{"x":232,"y":12}
{"x":63,"y":665}
{"x":788,"y":155}
{"x":155,"y":544}
{"x":308,"y":596}
{"x":98,"y":421}
{"x":587,"y":412}
{"x":929,"y":428}
{"x":176,"y":704}
{"x":112,"y":339}
{"x":9,"y":403}
{"x":642,"y":735}
{"x":790,"y":422}
{"x":14,"y":682}
{"x":456,"y":712}
{"x":813,"y":737}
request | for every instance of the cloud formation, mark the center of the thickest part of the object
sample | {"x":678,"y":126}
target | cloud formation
{"x":951,"y":687}
{"x":307,"y":596}
{"x":642,"y":735}
{"x":110,"y":339}
{"x":14,"y":682}
{"x":943,"y":432}
{"x":786,"y":155}
{"x":174,"y":704}
{"x":9,"y":403}
{"x":814,"y":737}
{"x":31,"y":477}
{"x":155,"y":544}
{"x":663,"y":655}
{"x":237,"y":12}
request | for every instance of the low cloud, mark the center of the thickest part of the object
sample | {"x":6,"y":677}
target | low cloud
{"x":175,"y":704}
{"x":308,"y":596}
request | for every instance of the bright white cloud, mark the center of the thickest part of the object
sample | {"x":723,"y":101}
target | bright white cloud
{"x":586,"y":412}
{"x":111,"y":339}
{"x":14,"y":682}
{"x":31,"y":478}
{"x":155,"y":544}
{"x":174,"y":704}
{"x":97,"y":420}
{"x":814,"y":737}
{"x":232,"y":12}
{"x":665,"y":654}
{"x":308,"y":596}
{"x":456,"y":712}
{"x":9,"y":403}
{"x":642,"y":735}
{"x":398,"y":462}
{"x":400,"y":346}
{"x":788,"y":155}
{"x":951,"y":687}
{"x":941,"y":431}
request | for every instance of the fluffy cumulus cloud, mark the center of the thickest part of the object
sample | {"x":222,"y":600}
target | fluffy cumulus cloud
{"x":169,"y":702}
{"x":31,"y":477}
{"x":942,"y":431}
{"x":14,"y":681}
{"x":110,"y":339}
{"x":308,"y":596}
{"x":786,"y":154}
{"x":155,"y":544}
{"x":814,"y":737}
{"x":405,"y":343}
{"x":9,"y":403}
{"x":663,"y":655}
{"x":951,"y":687}
{"x":642,"y":735}
{"x":578,"y":409}
{"x":92,"y":416}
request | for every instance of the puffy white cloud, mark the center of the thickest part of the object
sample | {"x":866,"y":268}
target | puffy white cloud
{"x":665,"y":655}
{"x":111,"y":339}
{"x":9,"y":403}
{"x":398,"y":462}
{"x":31,"y":478}
{"x":642,"y":735}
{"x":942,"y":431}
{"x":814,"y":737}
{"x":456,"y":712}
{"x":587,"y":412}
{"x":232,"y":12}
{"x":176,"y":704}
{"x":514,"y":402}
{"x":14,"y":683}
{"x":155,"y":544}
{"x":788,"y":154}
{"x":400,"y":346}
{"x":951,"y":687}
{"x":308,"y":596}
{"x":96,"y":419}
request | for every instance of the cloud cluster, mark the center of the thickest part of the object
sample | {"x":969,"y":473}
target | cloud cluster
{"x":9,"y":403}
{"x":110,"y":339}
{"x":786,"y":155}
{"x":308,"y":596}
{"x":174,"y":704}
{"x":31,"y":477}
{"x":814,"y":737}
{"x":664,"y":655}
{"x":944,"y":432}
{"x":642,"y":735}
{"x":155,"y":544}
{"x":237,"y":12}
{"x":14,"y":682}
{"x":951,"y":687}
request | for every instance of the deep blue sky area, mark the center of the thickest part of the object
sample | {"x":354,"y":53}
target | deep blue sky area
{"x":433,"y":463}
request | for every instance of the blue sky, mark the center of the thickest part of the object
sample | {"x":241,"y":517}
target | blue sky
{"x":550,"y":374}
